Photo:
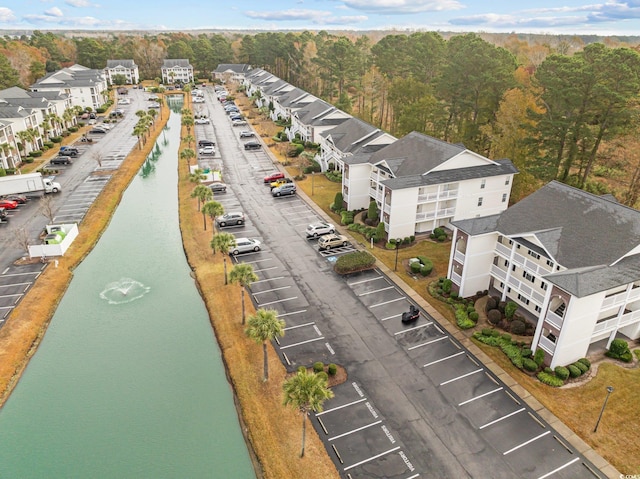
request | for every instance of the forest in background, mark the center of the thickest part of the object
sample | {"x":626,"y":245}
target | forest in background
{"x":559,"y":107}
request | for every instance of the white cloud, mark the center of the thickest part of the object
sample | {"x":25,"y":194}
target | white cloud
{"x":54,"y":12}
{"x":78,"y":3}
{"x":6,"y":15}
{"x":402,"y":7}
{"x":318,"y":17}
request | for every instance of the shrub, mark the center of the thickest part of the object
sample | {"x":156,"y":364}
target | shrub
{"x":28,"y":160}
{"x":574,"y":372}
{"x":56,"y":139}
{"x":49,"y":144}
{"x":501,"y":306}
{"x":441,"y":238}
{"x":487,"y":331}
{"x":332,"y":369}
{"x":462,"y":318}
{"x":35,"y":153}
{"x":294,"y":151}
{"x":518,"y":327}
{"x":318,"y":366}
{"x":506,"y":336}
{"x":373,"y":211}
{"x":618,"y":347}
{"x":446,"y":285}
{"x":380,"y":231}
{"x":550,"y":379}
{"x":585,"y":361}
{"x":539,"y":357}
{"x":495,"y":333}
{"x":494,"y":316}
{"x":412,"y":238}
{"x":491,"y":304}
{"x":389,"y":245}
{"x":513,"y":352}
{"x":355,"y":261}
{"x":346,"y":217}
{"x":548,"y":370}
{"x":425,"y":270}
{"x":322,"y":374}
{"x":337,"y":202}
{"x":583,"y":369}
{"x":73,"y":129}
{"x":438,"y":232}
{"x":510,"y":309}
{"x":526,"y":352}
{"x":473,"y":316}
{"x":415,"y":267}
{"x":427,"y":265}
{"x":529,"y":365}
{"x":454,"y":294}
{"x":562,"y":372}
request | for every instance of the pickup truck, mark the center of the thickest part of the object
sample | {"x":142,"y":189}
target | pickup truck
{"x":332,"y":241}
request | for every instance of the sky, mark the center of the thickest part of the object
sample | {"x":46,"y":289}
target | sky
{"x":604,"y":17}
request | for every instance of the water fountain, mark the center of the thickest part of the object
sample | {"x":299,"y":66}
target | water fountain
{"x":124,"y":291}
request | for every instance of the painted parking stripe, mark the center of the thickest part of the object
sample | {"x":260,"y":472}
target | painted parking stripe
{"x":36,"y":273}
{"x":526,"y":443}
{"x":341,"y":407}
{"x":12,"y":284}
{"x":292,"y":312}
{"x":279,"y":301}
{"x":373,"y":458}
{"x":391,"y":317}
{"x":10,"y":295}
{"x":270,"y":290}
{"x":427,"y":343}
{"x":258,"y":261}
{"x":387,"y":302}
{"x":412,"y":329}
{"x":268,"y":279}
{"x":300,"y":326}
{"x":462,"y":377}
{"x":561,"y":468}
{"x":481,"y":396}
{"x":302,"y":342}
{"x":376,"y":291}
{"x":502,"y":418}
{"x":265,"y":269}
{"x":354,"y":431}
{"x":443,"y":359}
{"x":364,"y":281}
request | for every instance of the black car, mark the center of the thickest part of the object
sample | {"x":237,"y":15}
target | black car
{"x":203,"y":143}
{"x":252,"y":145}
{"x":60,"y":160}
{"x":97,"y":130}
{"x":218,"y":187}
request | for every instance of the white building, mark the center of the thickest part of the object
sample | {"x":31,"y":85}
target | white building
{"x":568,"y":258}
{"x":25,"y":129}
{"x":125,"y":68}
{"x":85,"y":87}
{"x":314,"y":118}
{"x":9,"y":154}
{"x":177,"y":71}
{"x":231,"y":71}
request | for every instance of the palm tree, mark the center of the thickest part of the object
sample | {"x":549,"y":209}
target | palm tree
{"x":187,"y":121}
{"x":223,"y":242}
{"x":262,"y":327}
{"x":242,"y":274}
{"x":160,"y":101}
{"x":306,"y":391}
{"x":197,"y":174}
{"x":202,"y":193}
{"x":24,"y":136}
{"x":188,"y":139}
{"x":212,"y":209}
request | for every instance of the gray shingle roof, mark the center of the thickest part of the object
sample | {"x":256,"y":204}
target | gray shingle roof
{"x":233,"y":67}
{"x":176,"y":62}
{"x":478,"y":226}
{"x":121,"y":63}
{"x":351,"y":135}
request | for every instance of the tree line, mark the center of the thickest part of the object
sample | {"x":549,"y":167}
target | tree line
{"x":559,"y":109}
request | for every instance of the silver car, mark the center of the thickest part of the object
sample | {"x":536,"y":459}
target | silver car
{"x":230,"y":219}
{"x":245,"y":245}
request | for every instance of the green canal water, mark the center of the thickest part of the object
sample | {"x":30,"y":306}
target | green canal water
{"x":128,"y":381}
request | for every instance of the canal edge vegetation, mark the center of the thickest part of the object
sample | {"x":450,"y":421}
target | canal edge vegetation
{"x":271,"y":429}
{"x":27,"y":324}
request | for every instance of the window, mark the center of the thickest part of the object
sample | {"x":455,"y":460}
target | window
{"x":504,"y":197}
{"x":501,"y":285}
{"x":550,"y":263}
{"x":483,"y":183}
{"x":533,"y":254}
{"x":538,"y":308}
{"x":508,"y":289}
{"x":506,"y":262}
{"x":528,"y":276}
{"x":543,"y":285}
{"x":506,"y":182}
{"x":513,"y":268}
{"x":480,"y":201}
{"x":524,"y":299}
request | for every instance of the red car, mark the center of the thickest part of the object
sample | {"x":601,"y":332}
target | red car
{"x":273,"y":177}
{"x":8,"y":204}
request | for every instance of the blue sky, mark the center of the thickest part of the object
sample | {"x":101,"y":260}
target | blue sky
{"x":609,"y":17}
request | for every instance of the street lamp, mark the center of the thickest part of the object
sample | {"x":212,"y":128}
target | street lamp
{"x":312,"y":177}
{"x":609,"y":391}
{"x":395,"y":268}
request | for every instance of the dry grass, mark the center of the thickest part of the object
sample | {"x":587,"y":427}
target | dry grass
{"x":26,"y":325}
{"x":273,"y":430}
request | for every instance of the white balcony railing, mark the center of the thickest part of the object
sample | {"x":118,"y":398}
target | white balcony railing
{"x":503,"y":250}
{"x":546,"y":344}
{"x":555,"y":320}
{"x":459,"y":256}
{"x":425,"y":216}
{"x":456,"y":278}
{"x":499,"y":273}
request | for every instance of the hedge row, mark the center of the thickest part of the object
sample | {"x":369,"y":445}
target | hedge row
{"x":356,"y":261}
{"x":462,"y":317}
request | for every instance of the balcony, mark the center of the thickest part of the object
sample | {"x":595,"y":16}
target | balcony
{"x":620,"y":298}
{"x":503,"y":250}
{"x":459,"y":256}
{"x":456,"y":278}
{"x":546,"y":344}
{"x":554,"y":319}
{"x":425,"y":216}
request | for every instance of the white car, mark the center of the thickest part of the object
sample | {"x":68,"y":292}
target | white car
{"x":202,"y":121}
{"x":238,"y":122}
{"x":207,"y":150}
{"x":318,"y":229}
{"x":197,"y":99}
{"x":245,"y":245}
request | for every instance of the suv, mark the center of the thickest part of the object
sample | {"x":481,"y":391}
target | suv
{"x":207,"y":150}
{"x":218,"y":187}
{"x":68,"y":151}
{"x":230,"y":219}
{"x":332,"y":241}
{"x":286,"y":189}
{"x":60,"y":160}
{"x":245,"y":245}
{"x":247,"y":134}
{"x":273,"y":177}
{"x":318,"y":229}
{"x":252,"y":145}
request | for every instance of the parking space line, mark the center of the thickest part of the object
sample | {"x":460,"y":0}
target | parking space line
{"x":481,"y":396}
{"x":413,"y":329}
{"x":364,"y":281}
{"x":278,"y":301}
{"x":376,"y":291}
{"x":331,"y":439}
{"x":12,"y":284}
{"x":300,"y":326}
{"x":37,"y":273}
{"x":10,"y":295}
{"x":561,"y":468}
{"x":427,"y":343}
{"x":462,"y":377}
{"x":371,"y":458}
{"x":501,"y":418}
{"x":525,"y":443}
{"x":292,"y":312}
{"x":341,"y":407}
{"x":264,"y":269}
{"x":391,"y":317}
{"x":268,"y":279}
{"x":302,"y":342}
{"x":258,"y":261}
{"x":442,"y":359}
{"x":387,"y":302}
{"x":270,"y":290}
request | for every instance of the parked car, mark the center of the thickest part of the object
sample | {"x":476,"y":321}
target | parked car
{"x":280,"y":182}
{"x":247,"y":134}
{"x":286,"y":189}
{"x":238,"y":122}
{"x":252,"y":145}
{"x":318,"y":229}
{"x":202,"y":143}
{"x":20,"y":199}
{"x":153,"y":98}
{"x":72,"y":152}
{"x":230,"y":219}
{"x":97,"y":130}
{"x":236,"y":116}
{"x":207,"y":150}
{"x":273,"y":177}
{"x":197,"y":99}
{"x":332,"y":241}
{"x":8,"y":204}
{"x":202,"y":121}
{"x":218,"y":187}
{"x":60,"y":160}
{"x":245,"y":245}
